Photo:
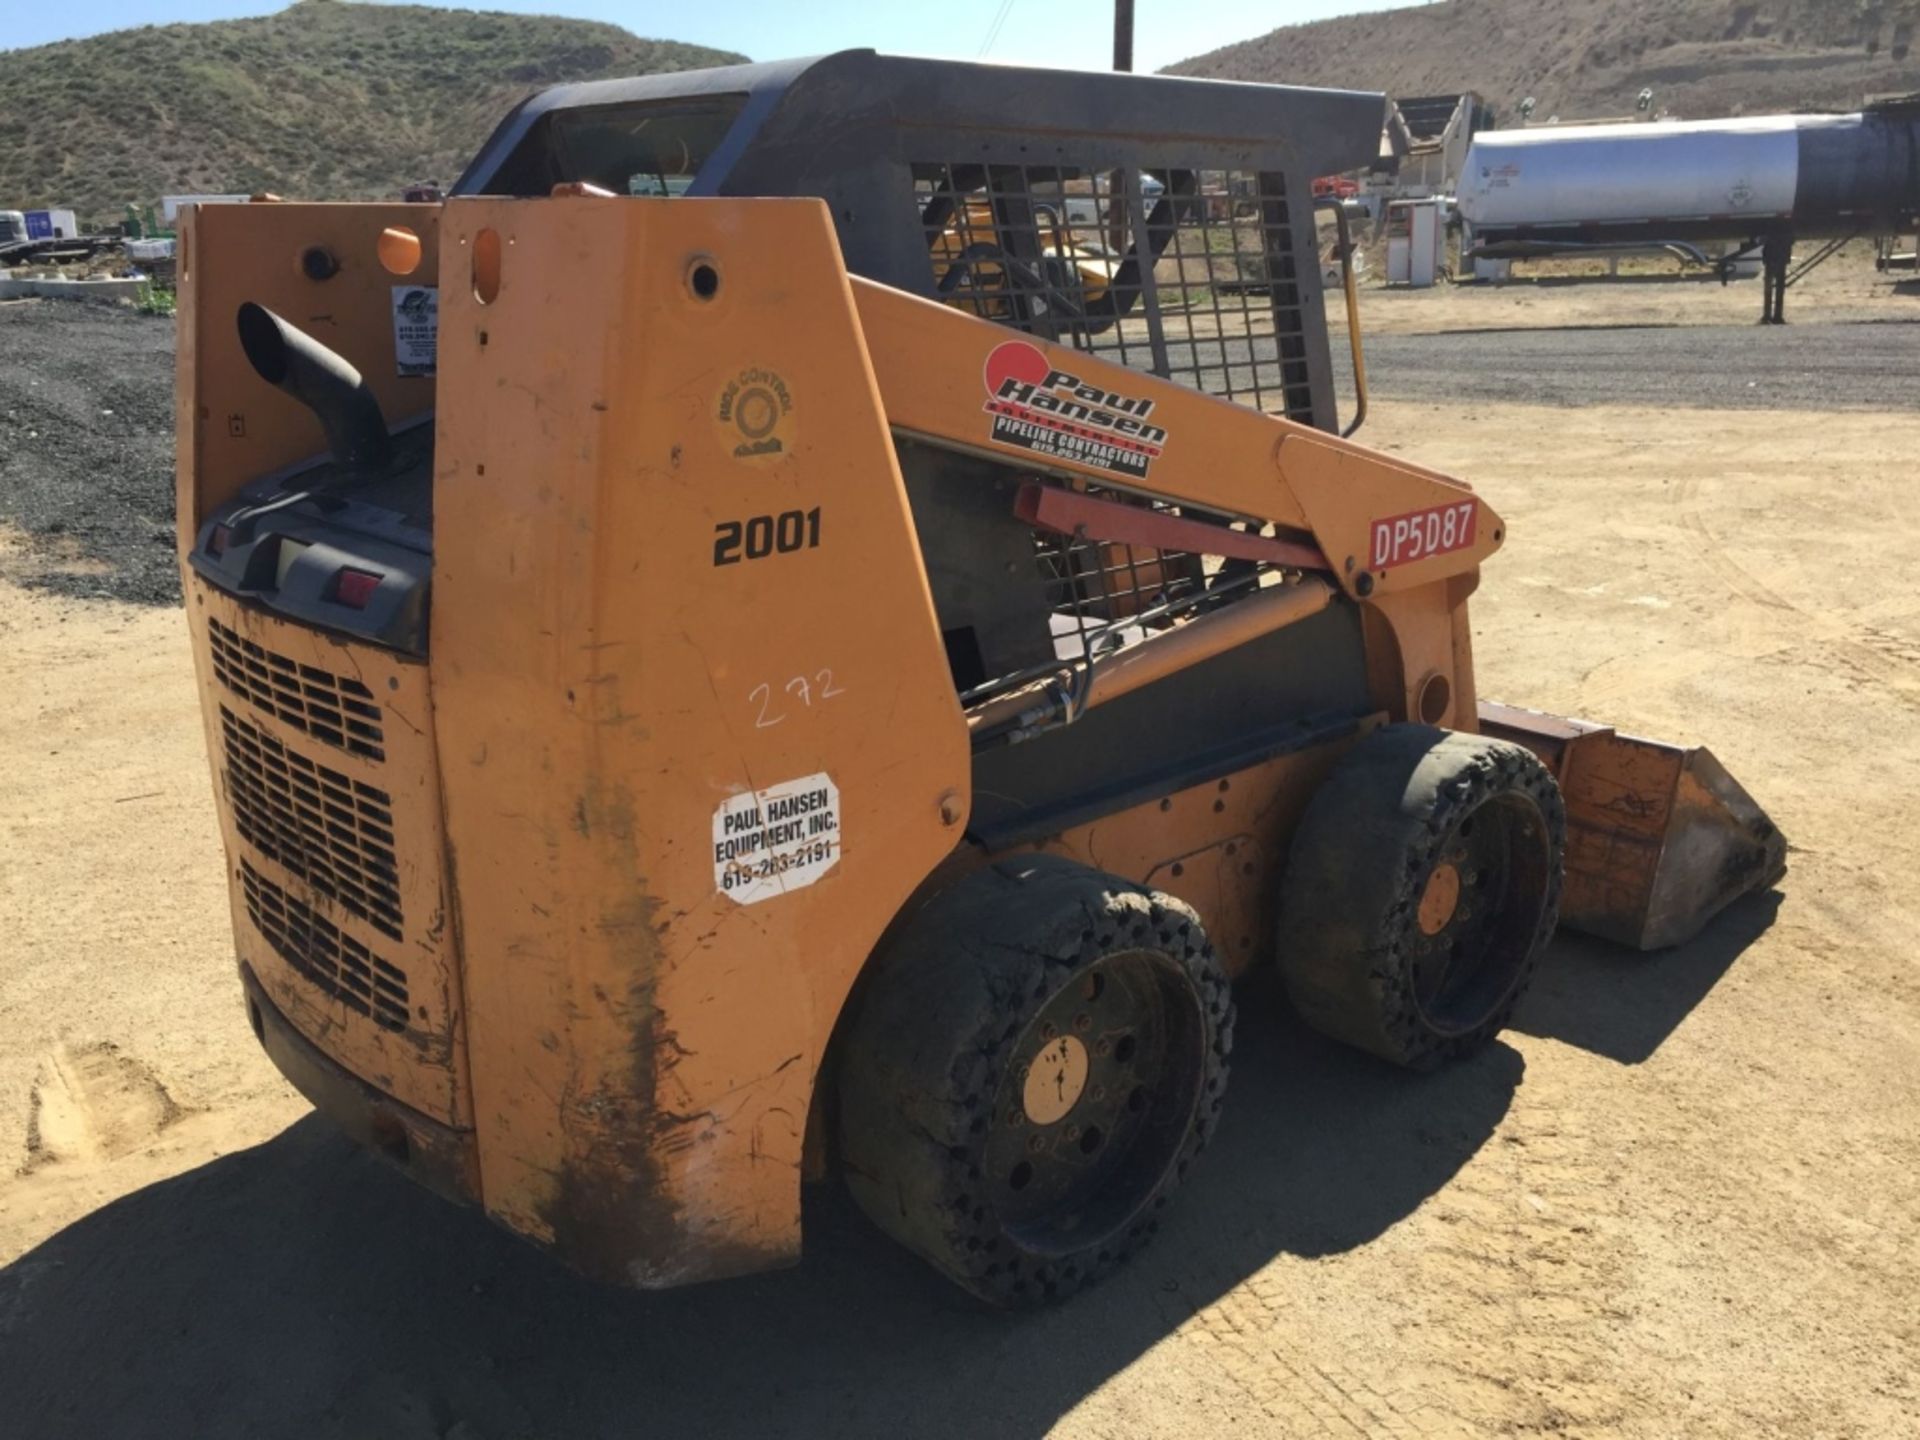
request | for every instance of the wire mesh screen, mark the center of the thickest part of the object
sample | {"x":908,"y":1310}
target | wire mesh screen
{"x":1102,"y":583}
{"x":1189,"y":274}
{"x":1096,"y":586}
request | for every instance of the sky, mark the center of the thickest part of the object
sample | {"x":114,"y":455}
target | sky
{"x":1054,"y":32}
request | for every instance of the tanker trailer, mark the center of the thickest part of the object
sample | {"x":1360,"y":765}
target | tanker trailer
{"x":1761,"y":181}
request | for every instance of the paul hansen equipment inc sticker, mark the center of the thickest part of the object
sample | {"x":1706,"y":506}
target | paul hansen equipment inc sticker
{"x":1057,"y":414}
{"x":767,"y":842}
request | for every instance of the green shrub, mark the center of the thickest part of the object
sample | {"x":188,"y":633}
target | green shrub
{"x":323,"y":101}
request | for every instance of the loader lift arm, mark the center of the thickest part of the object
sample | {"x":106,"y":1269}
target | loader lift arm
{"x":1662,"y":838}
{"x":1398,"y":544}
{"x":1314,"y":488}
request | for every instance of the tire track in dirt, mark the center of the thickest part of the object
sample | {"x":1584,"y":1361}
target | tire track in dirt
{"x":1866,"y":653}
{"x":1528,"y":1270}
{"x":1245,"y":1336}
{"x":92,"y":1103}
{"x":1536,"y":1278}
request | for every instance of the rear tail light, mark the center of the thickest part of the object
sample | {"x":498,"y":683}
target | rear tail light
{"x":217,"y":541}
{"x":354,"y":588}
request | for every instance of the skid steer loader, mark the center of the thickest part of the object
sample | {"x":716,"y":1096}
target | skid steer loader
{"x":730,"y":653}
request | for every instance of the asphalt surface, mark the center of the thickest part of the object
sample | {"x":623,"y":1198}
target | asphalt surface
{"x":86,"y":409}
{"x":1821,"y":366}
{"x":86,"y":446}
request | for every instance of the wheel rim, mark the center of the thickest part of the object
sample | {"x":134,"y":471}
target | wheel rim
{"x":1478,"y":913}
{"x":1097,"y":1104}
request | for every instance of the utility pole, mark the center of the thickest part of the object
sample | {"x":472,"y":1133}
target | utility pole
{"x":1123,"y":34}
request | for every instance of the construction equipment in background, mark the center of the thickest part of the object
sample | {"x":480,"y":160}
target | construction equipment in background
{"x":1424,"y":143}
{"x":141,"y":223}
{"x":1762,"y":182}
{"x":720,"y":710}
{"x":992,"y":281}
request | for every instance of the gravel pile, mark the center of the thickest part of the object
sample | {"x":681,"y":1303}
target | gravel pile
{"x":86,"y":447}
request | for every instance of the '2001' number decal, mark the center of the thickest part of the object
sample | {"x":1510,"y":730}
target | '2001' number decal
{"x":1402,"y":539}
{"x":764,"y":535}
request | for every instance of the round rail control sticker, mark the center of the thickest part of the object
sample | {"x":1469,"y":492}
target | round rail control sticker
{"x":755,"y":411}
{"x":767,"y":842}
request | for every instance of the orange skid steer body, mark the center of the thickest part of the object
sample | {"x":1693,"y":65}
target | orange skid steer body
{"x":611,"y":890}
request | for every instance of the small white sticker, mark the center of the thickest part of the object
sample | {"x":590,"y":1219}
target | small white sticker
{"x":416,"y":328}
{"x":767,"y":842}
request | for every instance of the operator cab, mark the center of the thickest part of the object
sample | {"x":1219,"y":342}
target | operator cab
{"x":1174,"y":234}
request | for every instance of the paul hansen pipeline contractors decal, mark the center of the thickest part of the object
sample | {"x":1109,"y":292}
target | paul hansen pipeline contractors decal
{"x":1057,"y":414}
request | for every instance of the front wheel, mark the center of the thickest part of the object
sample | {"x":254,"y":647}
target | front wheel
{"x":1420,"y":889}
{"x":1038,"y":1057}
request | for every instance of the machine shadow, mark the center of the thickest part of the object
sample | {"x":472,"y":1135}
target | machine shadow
{"x":302,"y":1288}
{"x":1623,"y":1004}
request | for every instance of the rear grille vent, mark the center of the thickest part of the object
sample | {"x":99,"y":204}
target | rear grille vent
{"x":335,"y":963}
{"x":328,"y":707}
{"x":333,"y":832}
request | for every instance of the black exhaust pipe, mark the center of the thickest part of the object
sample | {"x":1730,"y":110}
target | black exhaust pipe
{"x":288,"y":357}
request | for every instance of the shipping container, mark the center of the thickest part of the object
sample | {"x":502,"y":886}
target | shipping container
{"x":52,"y":225}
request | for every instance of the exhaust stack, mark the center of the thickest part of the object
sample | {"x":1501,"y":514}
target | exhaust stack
{"x":292,"y":360}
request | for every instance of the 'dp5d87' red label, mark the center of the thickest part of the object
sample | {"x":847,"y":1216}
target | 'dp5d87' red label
{"x":1402,"y":539}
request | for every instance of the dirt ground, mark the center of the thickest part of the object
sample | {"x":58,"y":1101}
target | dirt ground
{"x":1679,"y":1197}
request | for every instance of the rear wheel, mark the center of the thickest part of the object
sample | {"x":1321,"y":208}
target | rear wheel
{"x":1421,"y":887}
{"x":1038,"y":1057}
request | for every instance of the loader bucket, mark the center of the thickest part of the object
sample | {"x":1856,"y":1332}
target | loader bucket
{"x":1660,"y":838}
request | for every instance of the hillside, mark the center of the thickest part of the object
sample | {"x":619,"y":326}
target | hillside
{"x":1588,"y":58}
{"x":324,"y":100}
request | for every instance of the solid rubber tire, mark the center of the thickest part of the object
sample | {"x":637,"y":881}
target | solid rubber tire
{"x":1369,"y":839}
{"x":929,"y":1046}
